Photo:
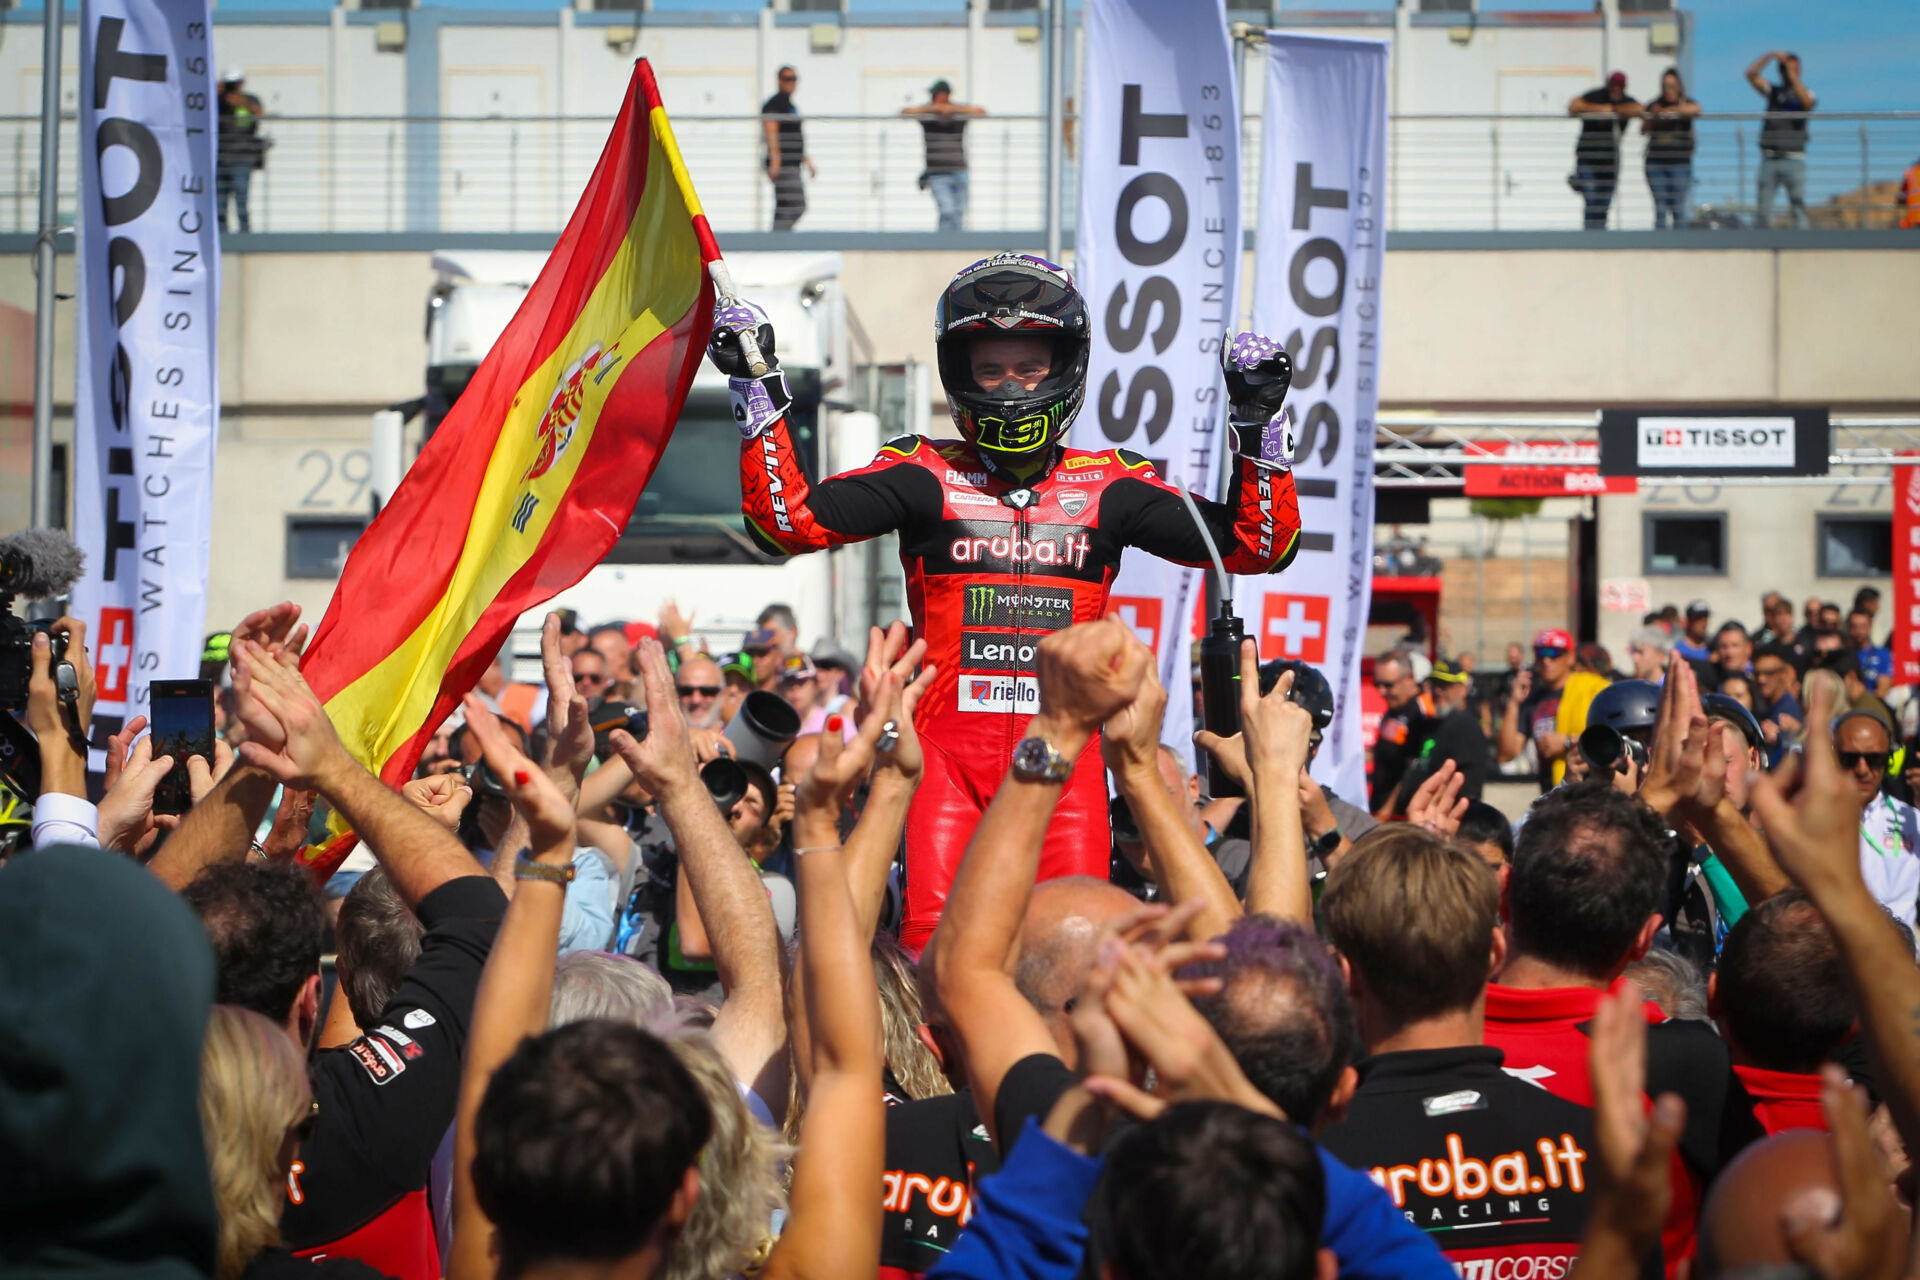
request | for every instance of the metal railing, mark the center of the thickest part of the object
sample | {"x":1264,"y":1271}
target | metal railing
{"x":1446,"y":173}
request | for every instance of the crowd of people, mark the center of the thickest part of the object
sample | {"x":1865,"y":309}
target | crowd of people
{"x":616,"y":988}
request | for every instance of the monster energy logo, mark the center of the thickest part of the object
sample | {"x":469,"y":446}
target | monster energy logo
{"x":1030,"y":609}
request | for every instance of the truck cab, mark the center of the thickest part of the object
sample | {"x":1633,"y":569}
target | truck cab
{"x":685,"y":540}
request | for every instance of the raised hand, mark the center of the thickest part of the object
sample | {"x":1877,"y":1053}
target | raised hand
{"x":1088,"y":672}
{"x":673,"y":624}
{"x":1437,"y":804}
{"x":536,"y":796}
{"x":663,"y":761}
{"x":1277,"y":731}
{"x":290,"y":736}
{"x":276,"y":627}
{"x":290,"y":822}
{"x":1632,"y":1147}
{"x":1130,"y":739}
{"x":1811,"y":812}
{"x":119,"y":746}
{"x":1258,"y":372}
{"x":759,"y":399}
{"x":441,"y":796}
{"x":569,"y":734}
{"x":126,"y":810}
{"x":843,"y":762}
{"x":888,"y":651}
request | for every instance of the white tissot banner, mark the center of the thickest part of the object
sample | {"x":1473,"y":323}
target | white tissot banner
{"x":1317,"y":288}
{"x":147,"y":405}
{"x":1157,"y":257}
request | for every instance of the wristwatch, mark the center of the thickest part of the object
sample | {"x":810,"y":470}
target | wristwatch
{"x":1325,"y":843}
{"x":1037,"y":760}
{"x":527,"y":869}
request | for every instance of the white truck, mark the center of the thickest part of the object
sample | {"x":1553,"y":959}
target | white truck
{"x":685,"y":541}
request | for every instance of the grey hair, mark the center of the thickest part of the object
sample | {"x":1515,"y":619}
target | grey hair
{"x":596,"y":984}
{"x":1652,"y":638}
{"x":1672,"y":982}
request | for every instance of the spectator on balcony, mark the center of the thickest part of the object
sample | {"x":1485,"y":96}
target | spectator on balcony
{"x":1603,"y":113}
{"x":1783,"y":138}
{"x":242,"y":149}
{"x":944,"y":122}
{"x":786,"y":152}
{"x":1909,"y":204}
{"x":1668,"y":126}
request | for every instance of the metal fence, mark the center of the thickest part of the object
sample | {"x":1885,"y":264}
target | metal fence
{"x":1446,"y":173}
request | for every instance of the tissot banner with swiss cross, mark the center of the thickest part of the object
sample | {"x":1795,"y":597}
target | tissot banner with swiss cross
{"x":1317,"y":288}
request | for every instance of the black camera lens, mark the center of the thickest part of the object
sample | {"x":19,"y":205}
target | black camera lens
{"x":725,"y":780}
{"x":1607,"y":749}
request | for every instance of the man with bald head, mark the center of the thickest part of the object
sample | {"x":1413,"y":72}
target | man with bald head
{"x":699,"y":684}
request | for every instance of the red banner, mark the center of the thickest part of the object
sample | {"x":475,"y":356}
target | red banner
{"x":1532,"y":472}
{"x":1906,"y":569}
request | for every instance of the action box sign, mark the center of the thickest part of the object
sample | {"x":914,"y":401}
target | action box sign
{"x":1714,"y":442}
{"x":1539,"y":469}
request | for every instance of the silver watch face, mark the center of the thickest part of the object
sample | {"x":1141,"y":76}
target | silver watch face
{"x":1034,"y":757}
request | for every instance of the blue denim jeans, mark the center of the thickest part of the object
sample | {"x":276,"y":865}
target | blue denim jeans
{"x":1596,"y":181}
{"x":1783,"y":169}
{"x":1669,"y":183}
{"x":233,"y":180}
{"x":950,"y":198}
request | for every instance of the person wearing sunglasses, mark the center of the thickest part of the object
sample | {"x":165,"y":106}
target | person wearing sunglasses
{"x":699,"y":684}
{"x":1533,"y":704}
{"x":1889,"y":828}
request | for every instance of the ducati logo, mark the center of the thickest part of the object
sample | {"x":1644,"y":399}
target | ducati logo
{"x":1073,"y":501}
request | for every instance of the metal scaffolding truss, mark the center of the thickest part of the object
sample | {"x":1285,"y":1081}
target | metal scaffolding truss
{"x":1416,"y":451}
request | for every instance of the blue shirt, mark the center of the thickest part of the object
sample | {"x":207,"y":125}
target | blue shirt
{"x":1876,"y":661}
{"x":1690,"y":651}
{"x":1028,"y":1221}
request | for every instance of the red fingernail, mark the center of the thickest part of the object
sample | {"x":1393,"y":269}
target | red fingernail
{"x":521,"y":777}
{"x":833,"y":724}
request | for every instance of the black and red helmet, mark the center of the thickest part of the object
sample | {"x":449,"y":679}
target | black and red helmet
{"x":1013,"y":294}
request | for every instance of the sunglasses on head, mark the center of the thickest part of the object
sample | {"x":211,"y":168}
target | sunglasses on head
{"x":699,"y":690}
{"x":1876,"y":760}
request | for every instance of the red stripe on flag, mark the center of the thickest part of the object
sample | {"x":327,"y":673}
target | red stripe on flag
{"x":401,"y":566}
{"x":646,"y":400}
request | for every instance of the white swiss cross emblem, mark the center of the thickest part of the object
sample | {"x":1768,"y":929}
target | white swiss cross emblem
{"x":1294,"y":627}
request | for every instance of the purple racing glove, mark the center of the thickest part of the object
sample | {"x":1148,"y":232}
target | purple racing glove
{"x":757,"y":402}
{"x":1258,"y":373}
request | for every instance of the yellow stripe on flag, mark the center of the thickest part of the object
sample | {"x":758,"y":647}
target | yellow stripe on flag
{"x":655,"y":276}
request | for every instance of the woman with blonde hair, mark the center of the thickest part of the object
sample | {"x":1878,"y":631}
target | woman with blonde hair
{"x":256,"y":1106}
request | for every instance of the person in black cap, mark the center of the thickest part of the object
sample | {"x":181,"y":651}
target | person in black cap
{"x":943,"y":122}
{"x":1691,"y":644}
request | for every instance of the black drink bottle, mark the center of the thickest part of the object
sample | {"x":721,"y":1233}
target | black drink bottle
{"x":1220,"y":691}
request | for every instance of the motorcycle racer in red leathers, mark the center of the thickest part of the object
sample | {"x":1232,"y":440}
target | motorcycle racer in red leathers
{"x":1006,"y":534}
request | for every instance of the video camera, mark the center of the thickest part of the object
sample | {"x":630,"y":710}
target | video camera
{"x":1608,"y":750}
{"x":37,"y":564}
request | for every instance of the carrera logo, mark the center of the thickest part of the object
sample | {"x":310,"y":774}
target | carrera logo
{"x":770,"y":455}
{"x":1069,"y":551}
{"x":999,"y":693}
{"x":967,"y":498}
{"x":978,"y":479}
{"x":996,"y":651}
{"x":1072,"y":501}
{"x":1025,"y":608}
{"x":1294,"y":627}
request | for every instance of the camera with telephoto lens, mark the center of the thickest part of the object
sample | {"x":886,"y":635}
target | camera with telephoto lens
{"x":726,"y":781}
{"x":606,"y":715}
{"x":1608,"y":750}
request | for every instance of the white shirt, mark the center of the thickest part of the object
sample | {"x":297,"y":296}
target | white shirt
{"x":1889,"y":860}
{"x":63,"y":819}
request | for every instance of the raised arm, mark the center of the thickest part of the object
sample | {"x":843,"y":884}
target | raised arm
{"x":786,"y":512}
{"x":1513,"y":736}
{"x":871,"y":848}
{"x":1754,"y":78}
{"x":1087,"y":674}
{"x":1799,"y":86}
{"x":750,"y":1029}
{"x":1812,"y":817}
{"x":1278,"y":732}
{"x":1130,"y":745}
{"x":516,"y":987}
{"x":418,"y":853}
{"x":220,"y":827}
{"x":834,"y":1217}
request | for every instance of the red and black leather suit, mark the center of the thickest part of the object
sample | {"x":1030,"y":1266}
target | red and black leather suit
{"x":992,"y":567}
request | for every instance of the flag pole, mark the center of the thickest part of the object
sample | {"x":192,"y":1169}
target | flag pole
{"x":1056,"y":120}
{"x":44,"y":263}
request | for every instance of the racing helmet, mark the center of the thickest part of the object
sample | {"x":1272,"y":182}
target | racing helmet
{"x":1013,"y":294}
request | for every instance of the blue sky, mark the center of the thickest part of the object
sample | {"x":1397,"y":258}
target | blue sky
{"x":1860,"y":55}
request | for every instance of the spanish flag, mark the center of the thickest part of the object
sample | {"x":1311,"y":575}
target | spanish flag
{"x":534,"y":474}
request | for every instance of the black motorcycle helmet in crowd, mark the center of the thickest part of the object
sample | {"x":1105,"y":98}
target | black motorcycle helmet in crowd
{"x":1719,"y":706}
{"x":1013,"y":294}
{"x":1310,"y":690}
{"x":1629,"y":707}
